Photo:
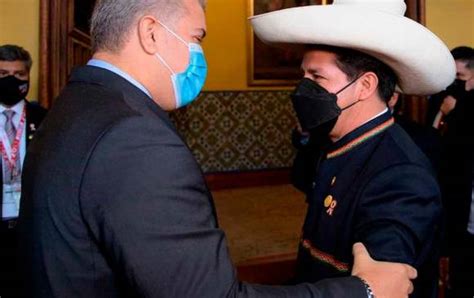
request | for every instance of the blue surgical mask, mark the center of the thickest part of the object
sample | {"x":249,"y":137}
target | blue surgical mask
{"x":188,"y":84}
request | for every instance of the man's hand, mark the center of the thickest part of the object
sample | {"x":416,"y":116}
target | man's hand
{"x":387,"y":280}
{"x":448,"y":105}
{"x":470,"y":84}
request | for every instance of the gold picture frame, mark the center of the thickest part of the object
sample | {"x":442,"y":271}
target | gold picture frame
{"x":271,"y":66}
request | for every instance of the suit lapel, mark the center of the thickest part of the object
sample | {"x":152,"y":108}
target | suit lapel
{"x":33,"y":121}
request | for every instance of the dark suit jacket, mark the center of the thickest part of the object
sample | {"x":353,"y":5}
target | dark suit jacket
{"x":456,"y":173}
{"x":115,"y":205}
{"x":9,"y":279}
{"x":373,"y":186}
{"x":426,"y":138}
{"x":34,"y":115}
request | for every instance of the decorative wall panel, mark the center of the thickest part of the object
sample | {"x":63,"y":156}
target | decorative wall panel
{"x":239,"y":131}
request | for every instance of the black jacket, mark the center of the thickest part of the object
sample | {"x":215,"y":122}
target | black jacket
{"x":456,"y":173}
{"x":34,"y":115}
{"x":9,"y":277}
{"x":115,"y":205}
{"x":373,"y":186}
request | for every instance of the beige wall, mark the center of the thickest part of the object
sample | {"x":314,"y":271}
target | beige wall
{"x":452,"y":20}
{"x":226,"y":45}
{"x":19,"y":24}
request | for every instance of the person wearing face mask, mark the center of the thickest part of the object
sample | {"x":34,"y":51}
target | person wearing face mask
{"x":114,"y":204}
{"x":372,"y":183}
{"x":440,"y":105}
{"x":456,"y":175}
{"x":19,"y":120}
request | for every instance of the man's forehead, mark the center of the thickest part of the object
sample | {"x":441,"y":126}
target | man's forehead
{"x":318,"y":59}
{"x":195,"y":18}
{"x":16,"y":65}
{"x":461,"y":65}
{"x":194,"y":9}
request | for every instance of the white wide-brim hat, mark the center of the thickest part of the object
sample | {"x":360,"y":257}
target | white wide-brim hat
{"x":422,"y":62}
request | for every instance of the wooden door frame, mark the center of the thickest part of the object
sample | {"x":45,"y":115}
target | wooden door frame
{"x":417,"y":106}
{"x":52,"y":32}
{"x":56,"y":30}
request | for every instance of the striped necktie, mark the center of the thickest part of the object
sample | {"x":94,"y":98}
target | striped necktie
{"x":10,"y":175}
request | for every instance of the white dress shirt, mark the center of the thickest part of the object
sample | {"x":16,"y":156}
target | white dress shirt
{"x":11,"y":193}
{"x":18,"y":108}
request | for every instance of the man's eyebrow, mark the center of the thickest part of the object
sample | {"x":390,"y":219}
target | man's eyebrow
{"x":203,"y":33}
{"x":311,"y":69}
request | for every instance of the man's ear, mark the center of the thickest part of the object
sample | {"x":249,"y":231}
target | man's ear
{"x":368,"y":85}
{"x":148,"y":34}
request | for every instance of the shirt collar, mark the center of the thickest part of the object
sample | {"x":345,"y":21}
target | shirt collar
{"x":360,"y":135}
{"x":18,"y":107}
{"x":105,"y":65}
{"x":378,"y":115}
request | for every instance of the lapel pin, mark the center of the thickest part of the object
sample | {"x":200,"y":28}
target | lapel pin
{"x":330,"y":204}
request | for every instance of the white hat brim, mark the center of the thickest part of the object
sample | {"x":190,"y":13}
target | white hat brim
{"x":422,"y":62}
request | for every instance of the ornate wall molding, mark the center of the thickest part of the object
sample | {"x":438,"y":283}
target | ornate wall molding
{"x":239,"y":130}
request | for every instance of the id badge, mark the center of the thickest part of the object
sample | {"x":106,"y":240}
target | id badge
{"x":11,"y":201}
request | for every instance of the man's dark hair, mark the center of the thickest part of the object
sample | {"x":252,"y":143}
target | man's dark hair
{"x":15,"y":53}
{"x":465,"y":54}
{"x":354,"y":63}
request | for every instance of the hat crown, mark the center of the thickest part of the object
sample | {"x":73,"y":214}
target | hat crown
{"x":397,"y":7}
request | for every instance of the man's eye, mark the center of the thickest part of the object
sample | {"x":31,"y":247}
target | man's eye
{"x":20,"y":75}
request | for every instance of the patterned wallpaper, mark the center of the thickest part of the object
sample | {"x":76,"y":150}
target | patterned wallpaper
{"x":239,"y":130}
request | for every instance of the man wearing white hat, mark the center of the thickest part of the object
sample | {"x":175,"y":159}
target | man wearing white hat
{"x":372,"y":183}
{"x":113,"y":202}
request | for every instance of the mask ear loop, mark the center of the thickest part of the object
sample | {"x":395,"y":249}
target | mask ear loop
{"x":347,"y":86}
{"x":173,"y":33}
{"x":164,"y":63}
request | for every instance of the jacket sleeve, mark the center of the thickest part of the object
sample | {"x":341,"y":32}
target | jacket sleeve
{"x":148,"y":209}
{"x":400,"y":215}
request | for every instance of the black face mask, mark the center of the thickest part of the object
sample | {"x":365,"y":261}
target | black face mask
{"x":316,"y":108}
{"x":457,"y":89}
{"x":12,"y":90}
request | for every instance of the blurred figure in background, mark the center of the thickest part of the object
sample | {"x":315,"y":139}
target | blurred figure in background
{"x":426,"y":138}
{"x":455,"y":119}
{"x":19,"y":120}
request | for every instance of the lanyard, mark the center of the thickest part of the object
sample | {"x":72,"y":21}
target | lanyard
{"x":10,"y":152}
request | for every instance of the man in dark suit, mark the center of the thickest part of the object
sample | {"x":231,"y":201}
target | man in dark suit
{"x":114,"y":204}
{"x":456,"y":176}
{"x":19,"y":120}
